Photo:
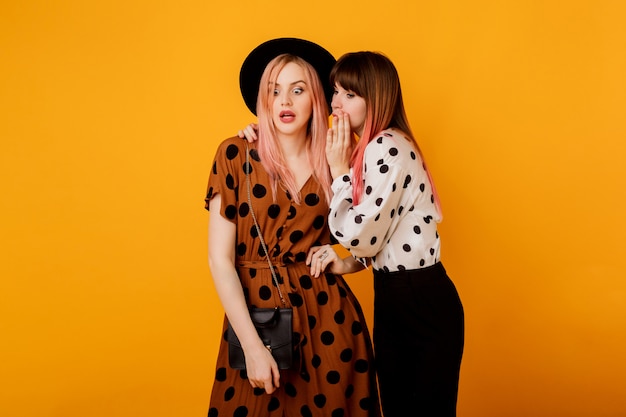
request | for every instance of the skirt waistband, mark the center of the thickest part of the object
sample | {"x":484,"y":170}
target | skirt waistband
{"x":429,"y":271}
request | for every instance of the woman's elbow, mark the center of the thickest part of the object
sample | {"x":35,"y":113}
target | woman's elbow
{"x":361,"y":253}
{"x":219,"y":263}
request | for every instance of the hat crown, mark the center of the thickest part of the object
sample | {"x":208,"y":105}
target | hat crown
{"x":254,"y":65}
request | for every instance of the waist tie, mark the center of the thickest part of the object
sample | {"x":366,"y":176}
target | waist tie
{"x":260,"y":264}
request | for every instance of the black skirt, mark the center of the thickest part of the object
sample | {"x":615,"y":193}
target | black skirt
{"x":418,"y":341}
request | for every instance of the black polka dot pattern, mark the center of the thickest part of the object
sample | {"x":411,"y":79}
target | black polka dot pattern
{"x":332,"y":343}
{"x":395,"y":222}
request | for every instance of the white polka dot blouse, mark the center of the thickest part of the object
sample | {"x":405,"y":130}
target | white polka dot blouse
{"x":395,"y":222}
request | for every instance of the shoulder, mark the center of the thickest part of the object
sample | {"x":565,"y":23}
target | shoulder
{"x":234,"y":144}
{"x":233,"y":148}
{"x":388,"y":138}
{"x":391,"y":143}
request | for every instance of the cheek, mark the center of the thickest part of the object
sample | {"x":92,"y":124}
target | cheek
{"x":356,"y":112}
{"x":355,"y":124}
{"x":361,"y":111}
{"x":275,"y":107}
{"x":307,"y":107}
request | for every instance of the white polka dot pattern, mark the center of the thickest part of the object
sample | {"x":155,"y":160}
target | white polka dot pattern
{"x":395,"y":222}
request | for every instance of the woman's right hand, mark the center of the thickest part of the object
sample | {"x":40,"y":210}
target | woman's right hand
{"x":249,"y":132}
{"x":324,"y":258}
{"x":321,"y":257}
{"x":262,"y":369}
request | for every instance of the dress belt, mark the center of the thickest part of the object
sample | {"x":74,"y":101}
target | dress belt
{"x":264,"y":265}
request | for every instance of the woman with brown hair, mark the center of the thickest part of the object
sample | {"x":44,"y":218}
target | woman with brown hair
{"x":385,"y":211}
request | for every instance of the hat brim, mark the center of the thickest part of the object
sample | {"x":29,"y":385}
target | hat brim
{"x":254,"y":65}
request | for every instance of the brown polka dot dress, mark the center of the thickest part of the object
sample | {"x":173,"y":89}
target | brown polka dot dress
{"x":333,"y":375}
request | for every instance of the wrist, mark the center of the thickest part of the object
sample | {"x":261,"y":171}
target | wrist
{"x":253,"y":347}
{"x":337,"y":172}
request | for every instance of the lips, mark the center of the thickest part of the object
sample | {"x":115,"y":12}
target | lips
{"x":287,"y":116}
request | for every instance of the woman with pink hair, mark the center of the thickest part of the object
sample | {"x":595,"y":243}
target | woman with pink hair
{"x":284,"y":82}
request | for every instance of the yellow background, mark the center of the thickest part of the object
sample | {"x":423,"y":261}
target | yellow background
{"x":110,"y":112}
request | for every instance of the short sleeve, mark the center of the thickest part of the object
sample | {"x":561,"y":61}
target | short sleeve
{"x":224,"y":179}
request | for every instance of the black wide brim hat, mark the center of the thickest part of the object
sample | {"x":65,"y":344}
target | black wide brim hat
{"x":254,"y":65}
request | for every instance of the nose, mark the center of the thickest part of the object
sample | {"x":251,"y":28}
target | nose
{"x":285,"y":100}
{"x":335,"y":103}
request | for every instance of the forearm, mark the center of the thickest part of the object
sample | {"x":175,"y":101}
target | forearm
{"x":351,"y":265}
{"x":230,"y":293}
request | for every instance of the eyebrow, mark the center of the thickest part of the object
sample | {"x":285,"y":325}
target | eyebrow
{"x":293,"y":83}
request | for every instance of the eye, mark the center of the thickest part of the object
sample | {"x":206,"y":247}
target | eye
{"x":350,"y":94}
{"x":298,"y":90}
{"x":335,"y":92}
{"x":275,"y":92}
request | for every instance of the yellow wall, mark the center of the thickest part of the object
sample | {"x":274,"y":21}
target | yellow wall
{"x":109,"y":116}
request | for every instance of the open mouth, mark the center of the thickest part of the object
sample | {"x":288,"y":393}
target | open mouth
{"x":287,"y":116}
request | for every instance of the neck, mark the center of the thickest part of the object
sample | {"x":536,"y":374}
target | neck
{"x":292,"y":146}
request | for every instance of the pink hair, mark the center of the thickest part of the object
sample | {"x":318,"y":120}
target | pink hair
{"x":373,"y":77}
{"x":270,"y":152}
